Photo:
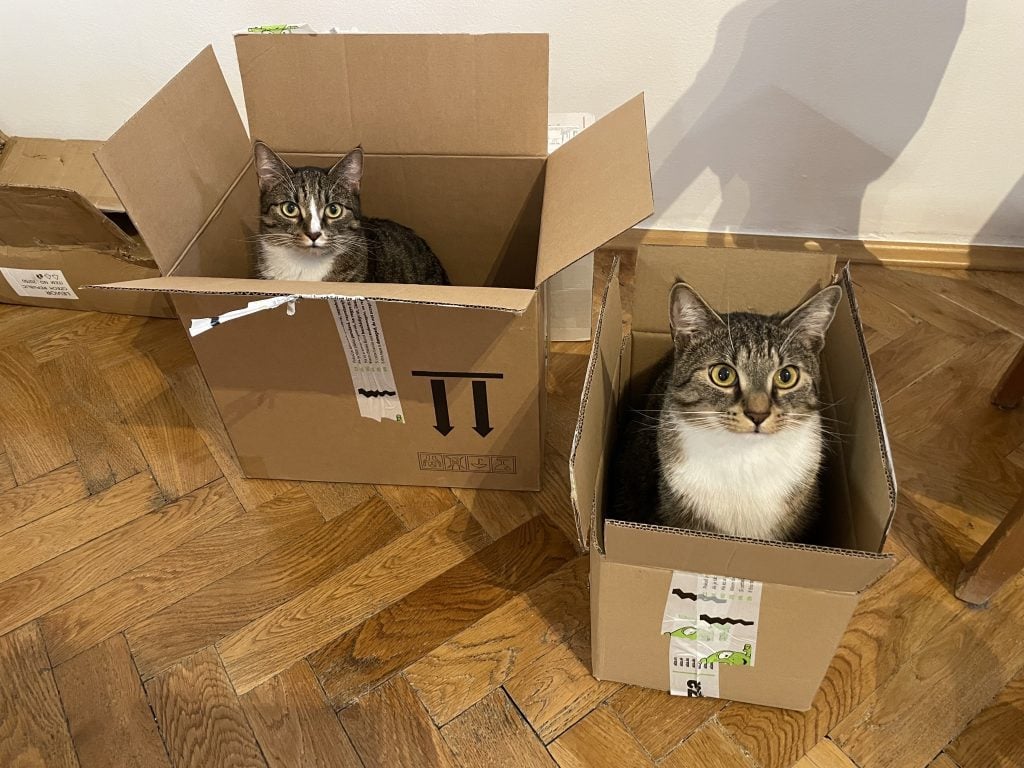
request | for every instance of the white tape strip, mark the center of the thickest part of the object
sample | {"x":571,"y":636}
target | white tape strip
{"x":368,"y":362}
{"x":711,"y":621}
{"x":203,"y":324}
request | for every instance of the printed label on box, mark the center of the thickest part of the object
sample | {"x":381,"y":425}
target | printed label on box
{"x":711,"y":621}
{"x":368,"y":362}
{"x":42,"y":283}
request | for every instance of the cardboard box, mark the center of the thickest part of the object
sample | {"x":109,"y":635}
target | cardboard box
{"x":804,"y":595}
{"x":454,"y":129}
{"x":62,"y":227}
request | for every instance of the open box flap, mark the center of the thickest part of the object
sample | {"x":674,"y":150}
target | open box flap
{"x":501,"y":299}
{"x":596,"y":186}
{"x":406,"y":94}
{"x":597,"y":408}
{"x":797,"y":565}
{"x":32,"y":217}
{"x":173,"y":162}
{"x":789,"y":282}
{"x":59,"y":164}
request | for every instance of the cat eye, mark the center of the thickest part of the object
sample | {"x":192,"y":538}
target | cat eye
{"x":786,"y":378}
{"x":722,"y":375}
{"x":333,"y":211}
{"x":289,"y":209}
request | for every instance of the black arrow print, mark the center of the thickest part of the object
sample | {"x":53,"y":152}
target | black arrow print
{"x":483,"y":418}
{"x":442,"y":425}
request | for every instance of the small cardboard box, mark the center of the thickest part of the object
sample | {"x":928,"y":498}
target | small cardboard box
{"x":62,"y":227}
{"x":454,"y":128}
{"x":798,"y":598}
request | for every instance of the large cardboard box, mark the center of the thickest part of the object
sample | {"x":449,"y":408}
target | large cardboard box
{"x":423,"y":385}
{"x":62,"y":227}
{"x":795,"y":600}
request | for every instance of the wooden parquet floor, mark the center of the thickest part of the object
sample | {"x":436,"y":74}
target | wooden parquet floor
{"x":158,"y":609}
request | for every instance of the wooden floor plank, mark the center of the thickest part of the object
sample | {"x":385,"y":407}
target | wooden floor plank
{"x":400,"y":634}
{"x":94,"y":424}
{"x":415,"y":505}
{"x":334,"y":499}
{"x":295,"y":725}
{"x":939,"y":689}
{"x":191,"y":391}
{"x":200,"y":718}
{"x":177,"y":455}
{"x":7,"y":480}
{"x":459,"y":673}
{"x":995,"y":737}
{"x":825,"y":754}
{"x":33,"y":437}
{"x":412,"y":739}
{"x":301,"y":558}
{"x":74,"y":573}
{"x":38,"y":498}
{"x":493,"y":733}
{"x":498,"y":511}
{"x":125,"y":600}
{"x":284,"y":635}
{"x":111,"y":723}
{"x":33,"y":731}
{"x":599,"y":740}
{"x":896,"y":617}
{"x":558,"y":689}
{"x":912,"y":356}
{"x":34,"y":543}
{"x":709,"y":747}
{"x":943,"y":761}
{"x":659,"y":721}
{"x":969,"y":295}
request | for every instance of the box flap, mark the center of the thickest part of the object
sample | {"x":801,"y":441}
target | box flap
{"x":501,"y":299}
{"x":60,"y":164}
{"x":407,"y":94}
{"x":720,"y":273}
{"x":797,"y":565}
{"x":37,"y":216}
{"x":597,"y":411}
{"x":173,"y":162}
{"x":597,"y":185}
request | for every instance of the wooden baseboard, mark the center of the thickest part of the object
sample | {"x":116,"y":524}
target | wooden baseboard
{"x":889,"y":253}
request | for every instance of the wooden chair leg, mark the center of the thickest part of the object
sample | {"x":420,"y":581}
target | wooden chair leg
{"x":1011,"y":389}
{"x":999,"y":559}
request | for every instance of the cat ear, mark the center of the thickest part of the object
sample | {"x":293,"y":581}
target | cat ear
{"x":811,"y":319}
{"x":349,"y":170}
{"x":689,"y":314}
{"x":269,"y":166}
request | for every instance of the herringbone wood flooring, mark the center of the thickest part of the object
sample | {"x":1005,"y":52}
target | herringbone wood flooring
{"x":157,"y":609}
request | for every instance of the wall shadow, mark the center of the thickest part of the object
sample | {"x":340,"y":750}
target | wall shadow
{"x":801,"y":105}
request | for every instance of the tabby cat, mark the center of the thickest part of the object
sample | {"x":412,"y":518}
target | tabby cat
{"x":312,"y":228}
{"x":733,"y":442}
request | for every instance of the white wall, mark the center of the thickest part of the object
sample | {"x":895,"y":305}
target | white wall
{"x":890,"y":119}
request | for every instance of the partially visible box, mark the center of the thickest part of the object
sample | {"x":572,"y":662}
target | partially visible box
{"x":62,"y":227}
{"x":706,"y":615}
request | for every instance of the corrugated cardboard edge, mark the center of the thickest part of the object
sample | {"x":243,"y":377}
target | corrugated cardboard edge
{"x":133,"y":286}
{"x":583,"y":539}
{"x":845,"y":279}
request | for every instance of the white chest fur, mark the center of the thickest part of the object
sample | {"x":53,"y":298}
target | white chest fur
{"x":740,"y":482}
{"x":283,"y":263}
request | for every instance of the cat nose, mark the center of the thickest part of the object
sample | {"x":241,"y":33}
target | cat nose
{"x":313,"y":236}
{"x":758,"y":417}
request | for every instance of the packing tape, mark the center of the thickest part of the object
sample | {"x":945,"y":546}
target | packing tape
{"x":203,"y":324}
{"x":368,"y":362}
{"x":711,"y":621}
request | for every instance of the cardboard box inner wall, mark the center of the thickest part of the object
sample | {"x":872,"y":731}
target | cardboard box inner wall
{"x":807,"y":592}
{"x":62,"y":227}
{"x":454,"y":133}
